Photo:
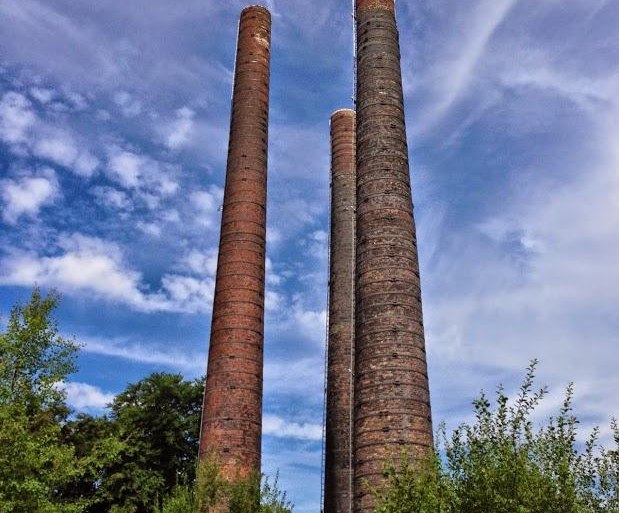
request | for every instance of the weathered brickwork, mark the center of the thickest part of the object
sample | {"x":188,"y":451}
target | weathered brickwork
{"x":391,"y":394}
{"x":338,"y":472}
{"x":232,"y":412}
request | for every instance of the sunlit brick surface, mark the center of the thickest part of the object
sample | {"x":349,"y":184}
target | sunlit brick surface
{"x":341,"y":315}
{"x":232,"y":413}
{"x":391,"y":395}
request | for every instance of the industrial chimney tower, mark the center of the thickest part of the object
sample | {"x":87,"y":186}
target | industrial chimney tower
{"x":232,"y":411}
{"x":378,"y":401}
{"x":340,"y":350}
{"x":391,"y":393}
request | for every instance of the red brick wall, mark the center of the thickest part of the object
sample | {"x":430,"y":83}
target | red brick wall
{"x":391,"y":396}
{"x":232,"y":412}
{"x":341,"y":315}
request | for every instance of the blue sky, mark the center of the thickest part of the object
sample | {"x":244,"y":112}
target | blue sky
{"x":113,"y":133}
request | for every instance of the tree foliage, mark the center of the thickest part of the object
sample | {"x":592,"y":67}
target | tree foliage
{"x":146,"y":447}
{"x":211,"y":493}
{"x":34,"y":359}
{"x":139,"y":457}
{"x":142,"y":457}
{"x":506,"y":462}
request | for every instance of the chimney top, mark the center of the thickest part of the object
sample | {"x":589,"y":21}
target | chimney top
{"x":255,"y":8}
{"x":367,"y":5}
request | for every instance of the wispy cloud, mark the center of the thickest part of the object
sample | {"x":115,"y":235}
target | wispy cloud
{"x":299,"y":377}
{"x":16,"y":118}
{"x":42,"y":94}
{"x":112,"y":198}
{"x":192,"y":364}
{"x":86,"y":398}
{"x":452,"y":74}
{"x":25,"y":132}
{"x":27,"y":193}
{"x":536,"y":279}
{"x":201,"y":263}
{"x":283,"y":377}
{"x":273,"y":425}
{"x":207,"y":204}
{"x":129,"y":106}
{"x":178,"y":132}
{"x":132,"y":170}
{"x":87,"y":264}
{"x":59,"y":147}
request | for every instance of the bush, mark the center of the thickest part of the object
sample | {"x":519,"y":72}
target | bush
{"x":503,"y":463}
{"x":212,"y":493}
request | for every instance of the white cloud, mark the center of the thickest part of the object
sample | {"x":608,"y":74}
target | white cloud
{"x":27,"y":194}
{"x":177,"y":133}
{"x":201,"y":263}
{"x":291,"y":317}
{"x":276,"y":426}
{"x":310,"y":324}
{"x":295,"y":377}
{"x":24,"y":131}
{"x":87,"y":264}
{"x":95,"y":266}
{"x":152,"y":229}
{"x":129,"y":106}
{"x":126,"y":168}
{"x":188,"y":294}
{"x":453,"y":72}
{"x":194,"y":364}
{"x":154,"y":179}
{"x":536,"y":279}
{"x":273,"y":279}
{"x":16,"y":118}
{"x":274,"y":237}
{"x":273,"y":301}
{"x":110,"y":197}
{"x":86,"y":164}
{"x":171,"y":216}
{"x":207,"y":204}
{"x":77,"y":100}
{"x":41,"y":94}
{"x":61,"y":147}
{"x":317,"y":244}
{"x":85,"y":397}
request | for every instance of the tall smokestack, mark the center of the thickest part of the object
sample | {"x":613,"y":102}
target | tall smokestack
{"x":392,"y":400}
{"x":338,"y":472}
{"x":232,"y":410}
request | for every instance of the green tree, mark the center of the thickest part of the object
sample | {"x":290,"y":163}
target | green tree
{"x":505,"y":462}
{"x":96,"y":447}
{"x":34,"y":361}
{"x":34,"y":358}
{"x":212,"y":493}
{"x":156,"y":425}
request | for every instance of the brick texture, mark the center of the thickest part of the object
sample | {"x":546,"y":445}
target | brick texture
{"x":391,"y":393}
{"x":338,"y":473}
{"x":232,"y":411}
{"x":364,"y":5}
